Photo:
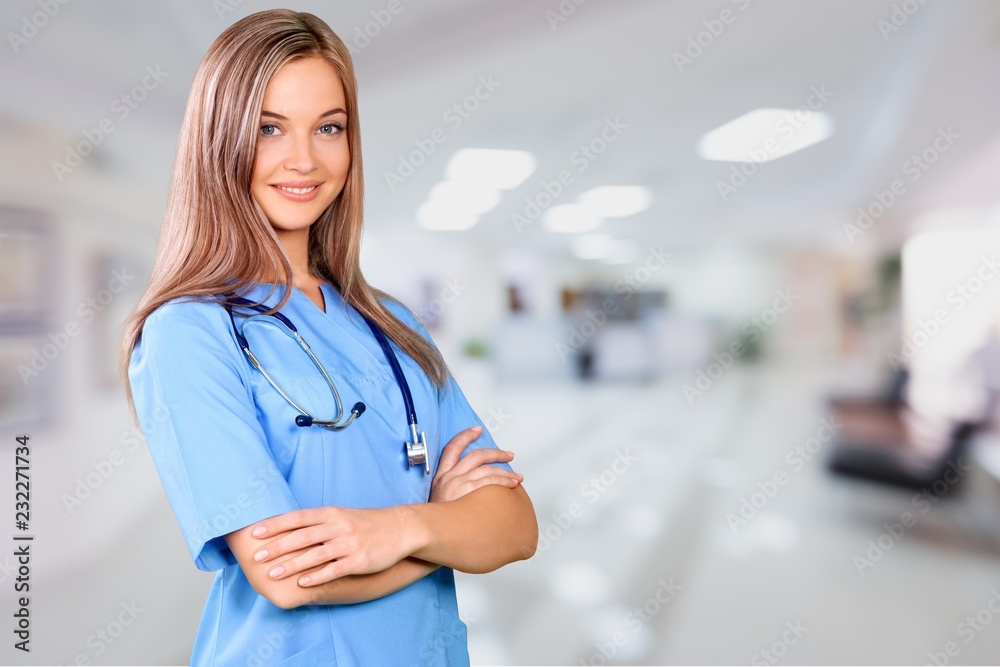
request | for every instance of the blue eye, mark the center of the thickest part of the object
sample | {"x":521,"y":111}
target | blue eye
{"x":340,"y":128}
{"x":264,"y":130}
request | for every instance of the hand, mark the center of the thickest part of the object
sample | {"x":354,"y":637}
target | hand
{"x":456,"y":477}
{"x":348,"y":541}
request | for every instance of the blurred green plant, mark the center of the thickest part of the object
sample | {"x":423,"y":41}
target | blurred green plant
{"x":751,"y":342}
{"x":475,"y":347}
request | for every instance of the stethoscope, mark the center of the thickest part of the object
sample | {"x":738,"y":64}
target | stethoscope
{"x":416,"y":448}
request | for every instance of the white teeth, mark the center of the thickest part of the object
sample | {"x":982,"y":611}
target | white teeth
{"x":297,"y":191}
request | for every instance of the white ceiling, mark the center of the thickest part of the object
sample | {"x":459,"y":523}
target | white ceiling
{"x":609,"y":59}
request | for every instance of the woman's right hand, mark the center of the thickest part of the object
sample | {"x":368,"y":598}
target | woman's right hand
{"x":456,"y":476}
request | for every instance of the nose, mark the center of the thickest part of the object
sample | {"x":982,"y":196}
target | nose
{"x":300,"y":154}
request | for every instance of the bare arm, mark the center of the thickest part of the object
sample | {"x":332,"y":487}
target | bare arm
{"x":476,"y":532}
{"x":479,"y":532}
{"x":455,"y":479}
{"x":287,"y":594}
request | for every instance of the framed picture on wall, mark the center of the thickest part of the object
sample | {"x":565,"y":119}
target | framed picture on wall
{"x":28,"y":257}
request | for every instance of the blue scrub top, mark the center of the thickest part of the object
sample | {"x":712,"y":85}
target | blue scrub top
{"x":228,"y":452}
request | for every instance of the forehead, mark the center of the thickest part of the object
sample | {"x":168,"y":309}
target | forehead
{"x":304,"y":87}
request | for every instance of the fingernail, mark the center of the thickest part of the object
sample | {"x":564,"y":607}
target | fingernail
{"x":477,"y":427}
{"x":303,"y":581}
{"x":276,"y":572}
{"x":260,"y":555}
{"x":259,"y":530}
{"x":519,"y":475}
{"x":508,"y":453}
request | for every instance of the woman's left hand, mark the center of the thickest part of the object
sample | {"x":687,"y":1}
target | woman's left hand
{"x":457,"y":476}
{"x":349,"y":541}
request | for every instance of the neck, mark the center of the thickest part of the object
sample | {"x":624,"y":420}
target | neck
{"x":296,"y":244}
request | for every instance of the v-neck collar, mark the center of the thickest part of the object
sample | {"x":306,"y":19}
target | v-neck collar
{"x":326,"y":298}
{"x":359,"y":332}
{"x":330,"y":295}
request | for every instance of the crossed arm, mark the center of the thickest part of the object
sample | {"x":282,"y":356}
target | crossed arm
{"x":479,"y":519}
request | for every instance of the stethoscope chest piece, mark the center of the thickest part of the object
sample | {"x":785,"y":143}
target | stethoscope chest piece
{"x":416,"y":452}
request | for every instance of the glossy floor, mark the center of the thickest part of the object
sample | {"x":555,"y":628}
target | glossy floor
{"x":649,"y":554}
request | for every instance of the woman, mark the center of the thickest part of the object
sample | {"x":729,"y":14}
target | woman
{"x":333,"y":545}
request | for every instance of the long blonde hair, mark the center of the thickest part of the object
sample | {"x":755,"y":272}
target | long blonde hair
{"x":215,"y":238}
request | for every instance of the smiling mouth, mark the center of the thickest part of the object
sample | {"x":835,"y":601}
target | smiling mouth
{"x":296,"y":191}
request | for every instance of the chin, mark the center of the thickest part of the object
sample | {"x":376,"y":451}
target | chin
{"x":286,"y":223}
{"x":285,"y":219}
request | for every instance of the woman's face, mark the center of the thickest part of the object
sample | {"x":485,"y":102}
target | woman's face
{"x":302,"y":153}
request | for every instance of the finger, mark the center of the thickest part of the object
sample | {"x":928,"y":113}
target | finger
{"x":499,"y":480}
{"x":453,"y":450}
{"x":488,"y":471}
{"x":326,"y":574}
{"x":307,"y":571}
{"x":479,"y":457}
{"x":302,"y":538}
{"x":288,"y":521}
{"x":311,"y":558}
{"x":485,"y":470}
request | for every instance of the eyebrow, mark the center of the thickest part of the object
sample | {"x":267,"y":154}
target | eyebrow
{"x":331,"y":112}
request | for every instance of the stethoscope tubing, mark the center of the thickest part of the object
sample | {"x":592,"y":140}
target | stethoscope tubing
{"x":418,"y":444}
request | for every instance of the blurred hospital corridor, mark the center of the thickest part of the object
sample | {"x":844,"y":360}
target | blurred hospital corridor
{"x":648,"y":550}
{"x":723,"y":274}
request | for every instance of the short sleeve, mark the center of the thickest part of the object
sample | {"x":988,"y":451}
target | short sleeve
{"x":455,"y":412}
{"x":193,"y":398}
